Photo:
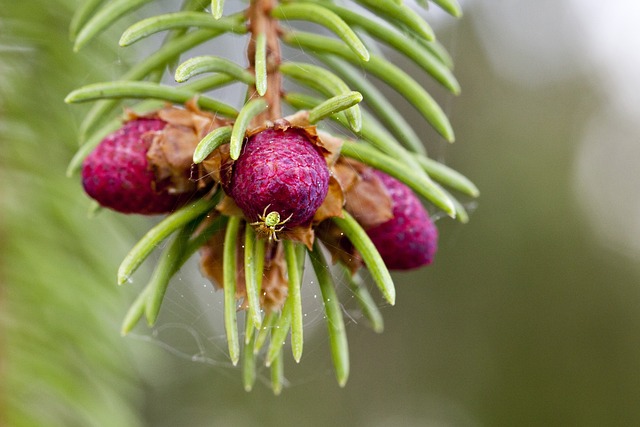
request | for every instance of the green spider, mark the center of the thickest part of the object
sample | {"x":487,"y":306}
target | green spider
{"x":267,"y":223}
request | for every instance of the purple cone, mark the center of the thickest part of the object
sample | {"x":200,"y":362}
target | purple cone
{"x":410,"y":239}
{"x":281,"y":170}
{"x":116,"y":173}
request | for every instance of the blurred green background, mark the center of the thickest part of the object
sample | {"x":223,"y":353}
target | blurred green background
{"x":529,"y":316}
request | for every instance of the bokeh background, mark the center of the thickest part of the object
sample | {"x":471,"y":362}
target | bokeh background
{"x":530,"y":315}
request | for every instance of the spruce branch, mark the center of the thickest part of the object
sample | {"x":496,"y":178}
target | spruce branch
{"x":249,"y":252}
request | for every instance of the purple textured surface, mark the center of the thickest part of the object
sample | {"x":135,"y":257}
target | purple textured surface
{"x":410,"y":239}
{"x":116,"y":173}
{"x":282,"y":170}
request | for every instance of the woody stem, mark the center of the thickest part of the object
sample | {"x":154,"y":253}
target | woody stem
{"x":261,"y":22}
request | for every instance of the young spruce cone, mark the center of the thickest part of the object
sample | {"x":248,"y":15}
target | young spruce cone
{"x":410,"y":239}
{"x":280,"y":180}
{"x":144,"y":167}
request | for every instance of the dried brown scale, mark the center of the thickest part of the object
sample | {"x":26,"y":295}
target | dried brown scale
{"x":274,"y":278}
{"x":393,"y":216}
{"x":339,"y":246}
{"x":171,"y":154}
{"x":365,"y":198}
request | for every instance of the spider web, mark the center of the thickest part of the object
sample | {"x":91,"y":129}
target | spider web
{"x":191,"y":322}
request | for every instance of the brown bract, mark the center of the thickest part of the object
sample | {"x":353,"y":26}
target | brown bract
{"x":333,"y":202}
{"x":339,"y":246}
{"x":274,"y":278}
{"x":228,"y":207}
{"x":366,"y":199}
{"x":170,"y":154}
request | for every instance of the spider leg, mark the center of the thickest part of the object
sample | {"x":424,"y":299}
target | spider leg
{"x":273,"y":233}
{"x":286,"y":220}
{"x":264,"y":212}
{"x":261,"y":218}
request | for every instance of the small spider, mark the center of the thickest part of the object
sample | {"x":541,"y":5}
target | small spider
{"x":268,"y":222}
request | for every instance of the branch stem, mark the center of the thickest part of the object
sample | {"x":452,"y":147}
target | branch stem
{"x":261,"y":22}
